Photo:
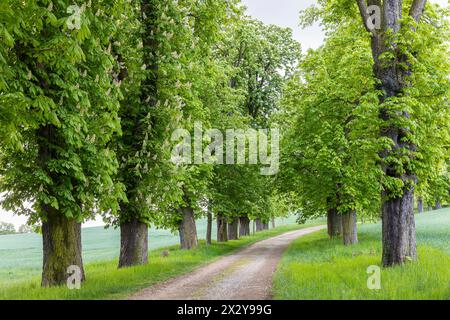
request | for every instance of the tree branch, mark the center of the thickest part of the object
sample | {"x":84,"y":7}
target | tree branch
{"x":362,"y":5}
{"x":417,"y":9}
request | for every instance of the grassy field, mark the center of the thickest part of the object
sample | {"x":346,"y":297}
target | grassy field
{"x":104,"y":281}
{"x":315,"y":267}
{"x":21,"y":254}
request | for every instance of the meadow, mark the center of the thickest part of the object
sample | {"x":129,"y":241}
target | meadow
{"x":105,"y":281}
{"x":21,"y":254}
{"x":315,"y":267}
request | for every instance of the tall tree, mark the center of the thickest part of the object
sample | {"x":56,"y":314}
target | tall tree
{"x":410,"y":64}
{"x":262,"y":57}
{"x":395,"y":51}
{"x":65,"y":108}
{"x":328,"y":145}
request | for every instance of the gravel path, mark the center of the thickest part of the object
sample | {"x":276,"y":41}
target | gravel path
{"x":245,"y":275}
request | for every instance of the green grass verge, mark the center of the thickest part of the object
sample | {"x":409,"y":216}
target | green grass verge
{"x":315,"y":267}
{"x":105,"y":281}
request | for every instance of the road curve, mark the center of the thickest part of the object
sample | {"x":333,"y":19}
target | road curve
{"x":244,"y":275}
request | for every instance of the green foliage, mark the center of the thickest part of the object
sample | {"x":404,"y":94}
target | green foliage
{"x":424,"y":100}
{"x":169,"y":78}
{"x":331,"y":121}
{"x":59,"y":109}
{"x":333,"y":107}
{"x":260,"y":58}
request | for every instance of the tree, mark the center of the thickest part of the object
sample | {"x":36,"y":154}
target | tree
{"x":328,"y":147}
{"x":168,"y":51}
{"x":262,"y":57}
{"x":62,"y":96}
{"x":7,"y":228}
{"x":410,"y":65}
{"x":397,"y":51}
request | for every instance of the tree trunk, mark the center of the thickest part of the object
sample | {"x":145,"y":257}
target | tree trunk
{"x":244,"y":226}
{"x":265,"y":225}
{"x":222,"y":235}
{"x":233,"y":229}
{"x":133,"y":243}
{"x":334,"y":223}
{"x":399,"y":231}
{"x":61,"y":247}
{"x":61,"y":237}
{"x":399,"y":241}
{"x":349,"y":230}
{"x":209,"y":229}
{"x":273,"y":222}
{"x":188,"y":229}
{"x":420,"y":205}
{"x":259,"y":225}
{"x":438,"y":205}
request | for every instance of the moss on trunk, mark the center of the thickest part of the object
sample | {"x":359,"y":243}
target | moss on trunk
{"x":61,"y":247}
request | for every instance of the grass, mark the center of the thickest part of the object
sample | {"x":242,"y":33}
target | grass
{"x":105,"y":281}
{"x":21,"y":254}
{"x":315,"y":267}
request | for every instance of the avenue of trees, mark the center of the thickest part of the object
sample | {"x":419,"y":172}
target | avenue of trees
{"x":368,"y":117}
{"x":88,"y":105}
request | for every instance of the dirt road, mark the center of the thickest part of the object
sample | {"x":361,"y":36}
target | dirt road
{"x":244,"y":275}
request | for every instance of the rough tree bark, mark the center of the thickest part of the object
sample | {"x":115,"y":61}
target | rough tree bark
{"x":244,"y":226}
{"x":222,"y":233}
{"x":233,"y":227}
{"x":399,"y":231}
{"x":209,"y":228}
{"x":420,"y":205}
{"x":61,"y":247}
{"x":334,"y":223}
{"x":349,"y":229}
{"x":399,"y":241}
{"x":187,"y":229}
{"x":133,"y":243}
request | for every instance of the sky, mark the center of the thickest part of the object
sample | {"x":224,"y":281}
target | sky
{"x":284,"y":13}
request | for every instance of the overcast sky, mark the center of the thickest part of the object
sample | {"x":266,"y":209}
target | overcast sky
{"x":284,"y":13}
